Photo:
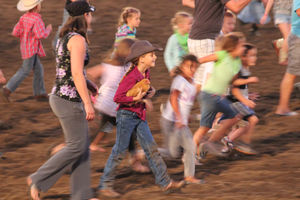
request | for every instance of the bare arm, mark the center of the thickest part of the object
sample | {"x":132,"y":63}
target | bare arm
{"x":242,"y":81}
{"x":174,"y":103}
{"x":189,"y":3}
{"x":238,"y":95}
{"x":237,"y":5}
{"x":267,"y":11}
{"x":95,"y":72}
{"x":76,"y":46}
{"x":209,"y":58}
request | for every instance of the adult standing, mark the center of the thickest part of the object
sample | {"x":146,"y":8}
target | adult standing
{"x":71,"y":103}
{"x":293,"y":69}
{"x":208,"y":20}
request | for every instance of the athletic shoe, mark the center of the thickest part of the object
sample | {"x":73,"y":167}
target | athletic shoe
{"x":244,"y":148}
{"x":228,"y":145}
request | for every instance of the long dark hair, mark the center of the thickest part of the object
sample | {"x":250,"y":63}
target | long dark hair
{"x":75,"y":24}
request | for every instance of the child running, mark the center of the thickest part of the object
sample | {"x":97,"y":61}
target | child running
{"x":131,"y":116}
{"x":177,"y":46}
{"x":30,"y":29}
{"x":130,"y":19}
{"x":242,"y":102}
{"x":227,"y":65}
{"x":175,"y":117}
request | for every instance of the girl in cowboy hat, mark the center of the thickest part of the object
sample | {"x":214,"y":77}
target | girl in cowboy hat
{"x":131,"y":116}
{"x":30,"y":29}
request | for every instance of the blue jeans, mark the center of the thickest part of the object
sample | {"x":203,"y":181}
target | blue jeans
{"x":212,"y":104}
{"x":32,"y":63}
{"x":127,"y":123}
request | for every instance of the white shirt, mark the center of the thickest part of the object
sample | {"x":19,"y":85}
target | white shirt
{"x":110,"y":80}
{"x":185,"y":99}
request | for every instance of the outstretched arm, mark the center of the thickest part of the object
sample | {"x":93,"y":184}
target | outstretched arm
{"x":237,"y":5}
{"x":209,"y":58}
{"x":189,"y":3}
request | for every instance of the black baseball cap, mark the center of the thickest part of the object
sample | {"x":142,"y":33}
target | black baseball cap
{"x":78,"y":8}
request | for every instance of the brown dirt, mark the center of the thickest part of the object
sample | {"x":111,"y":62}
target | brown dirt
{"x":31,"y":127}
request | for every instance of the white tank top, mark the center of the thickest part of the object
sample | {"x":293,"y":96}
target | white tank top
{"x":109,"y":81}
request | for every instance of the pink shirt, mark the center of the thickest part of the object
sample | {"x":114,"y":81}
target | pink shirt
{"x":126,"y":84}
{"x":30,"y":29}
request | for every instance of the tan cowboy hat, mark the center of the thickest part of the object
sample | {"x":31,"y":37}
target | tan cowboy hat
{"x":141,"y":47}
{"x":25,"y":5}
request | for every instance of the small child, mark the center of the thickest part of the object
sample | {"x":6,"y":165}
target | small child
{"x":229,"y":23}
{"x":177,"y":46}
{"x":30,"y":29}
{"x":131,"y":117}
{"x":240,"y":99}
{"x":174,"y":120}
{"x":130,"y":19}
{"x":227,"y":65}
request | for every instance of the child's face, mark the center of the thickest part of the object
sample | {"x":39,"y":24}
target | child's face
{"x":148,"y":59}
{"x":39,"y":7}
{"x":250,"y":58}
{"x":239,"y":49}
{"x":186,"y":25}
{"x":135,"y":20}
{"x":189,"y":68}
{"x":228,"y":24}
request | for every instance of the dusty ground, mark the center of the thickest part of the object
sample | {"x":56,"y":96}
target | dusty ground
{"x":31,"y":128}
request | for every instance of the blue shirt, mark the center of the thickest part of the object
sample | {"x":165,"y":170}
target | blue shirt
{"x":296,"y":18}
{"x":173,"y":53}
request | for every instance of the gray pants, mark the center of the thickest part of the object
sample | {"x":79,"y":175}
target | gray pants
{"x":176,"y":138}
{"x":74,"y":156}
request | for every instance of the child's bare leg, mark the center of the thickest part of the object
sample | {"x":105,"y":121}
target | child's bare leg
{"x":94,"y":145}
{"x":253,"y":120}
{"x":233,"y":135}
{"x":199,"y":135}
{"x":285,"y":29}
{"x":221,"y":131}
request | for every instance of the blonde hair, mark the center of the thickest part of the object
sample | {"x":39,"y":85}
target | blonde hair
{"x":229,"y":41}
{"x":178,"y":18}
{"x":127,"y":13}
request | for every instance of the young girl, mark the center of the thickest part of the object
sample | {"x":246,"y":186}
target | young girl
{"x":111,"y":72}
{"x":30,"y":29}
{"x":131,"y":116}
{"x":227,"y":65}
{"x":130,"y":19}
{"x":282,"y":18}
{"x":174,"y":120}
{"x":241,"y":102}
{"x":176,"y":46}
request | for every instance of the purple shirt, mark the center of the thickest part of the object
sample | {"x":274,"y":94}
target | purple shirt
{"x":126,"y":84}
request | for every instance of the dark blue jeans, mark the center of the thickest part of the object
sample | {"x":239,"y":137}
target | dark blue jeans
{"x":127,"y":123}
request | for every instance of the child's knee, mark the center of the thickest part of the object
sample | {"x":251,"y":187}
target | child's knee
{"x":253,"y":120}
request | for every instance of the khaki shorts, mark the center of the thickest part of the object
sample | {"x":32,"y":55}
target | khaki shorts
{"x":293,"y":56}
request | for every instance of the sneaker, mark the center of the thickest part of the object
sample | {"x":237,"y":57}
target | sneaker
{"x":244,"y":148}
{"x":109,"y":192}
{"x":173,"y":186}
{"x":228,"y":145}
{"x":203,"y":150}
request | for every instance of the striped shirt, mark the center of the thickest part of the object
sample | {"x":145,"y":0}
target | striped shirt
{"x":124,"y":31}
{"x":30,"y":29}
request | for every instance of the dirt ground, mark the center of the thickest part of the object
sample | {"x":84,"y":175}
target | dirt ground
{"x":30,"y":128}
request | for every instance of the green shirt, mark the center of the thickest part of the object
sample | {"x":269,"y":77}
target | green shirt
{"x":225,"y":68}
